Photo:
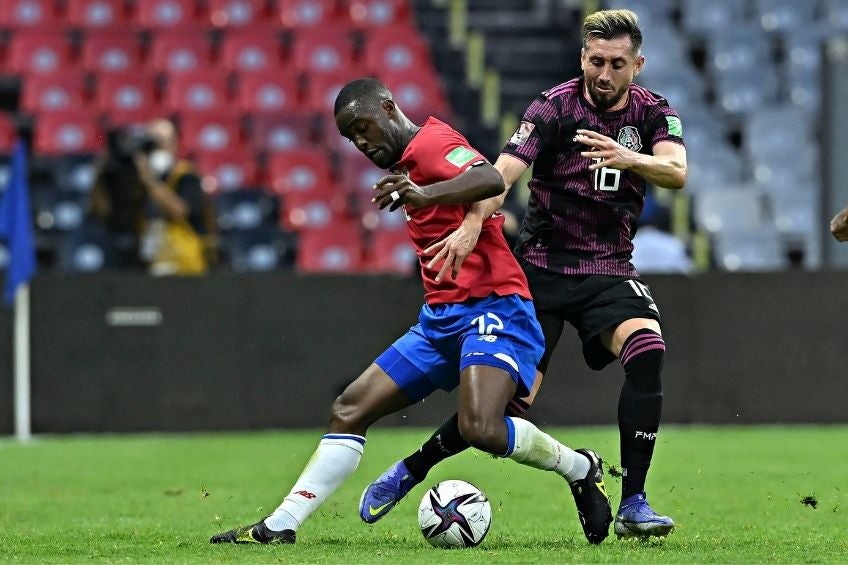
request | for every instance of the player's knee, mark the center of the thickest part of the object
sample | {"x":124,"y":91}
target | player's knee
{"x":481,"y":432}
{"x":347,"y":416}
{"x":642,"y":357}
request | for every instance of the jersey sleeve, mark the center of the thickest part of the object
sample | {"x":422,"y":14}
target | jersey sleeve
{"x":447,"y":154}
{"x":666,"y":125}
{"x":536,"y":131}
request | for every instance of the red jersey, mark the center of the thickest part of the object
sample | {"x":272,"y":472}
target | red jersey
{"x":437,"y":153}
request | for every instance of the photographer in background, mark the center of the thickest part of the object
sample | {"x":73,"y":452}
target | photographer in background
{"x":152,"y":203}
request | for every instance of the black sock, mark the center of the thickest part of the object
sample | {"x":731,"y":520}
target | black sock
{"x":445,"y":442}
{"x":639,"y":406}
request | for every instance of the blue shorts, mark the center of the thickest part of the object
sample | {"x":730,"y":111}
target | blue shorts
{"x":499,"y":331}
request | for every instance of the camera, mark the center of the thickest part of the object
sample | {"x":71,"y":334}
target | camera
{"x":124,"y":143}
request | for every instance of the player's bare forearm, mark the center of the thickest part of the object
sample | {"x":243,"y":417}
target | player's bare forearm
{"x":476,"y":184}
{"x":664,"y":171}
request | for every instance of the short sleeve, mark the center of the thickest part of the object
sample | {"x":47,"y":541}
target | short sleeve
{"x":445,"y":155}
{"x":536,"y":131}
{"x":666,"y":125}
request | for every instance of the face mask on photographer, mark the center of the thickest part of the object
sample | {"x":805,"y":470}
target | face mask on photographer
{"x":161,"y":161}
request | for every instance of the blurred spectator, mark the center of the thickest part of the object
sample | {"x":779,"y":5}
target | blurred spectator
{"x":152,"y":203}
{"x":655,"y":250}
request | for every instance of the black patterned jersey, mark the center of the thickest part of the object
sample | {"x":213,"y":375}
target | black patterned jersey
{"x":580,"y":221}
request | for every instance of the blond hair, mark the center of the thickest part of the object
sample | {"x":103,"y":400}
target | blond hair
{"x":609,"y":24}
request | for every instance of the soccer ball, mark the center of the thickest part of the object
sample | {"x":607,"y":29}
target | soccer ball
{"x":454,"y":514}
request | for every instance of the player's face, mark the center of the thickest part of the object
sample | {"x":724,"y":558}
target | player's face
{"x":376,"y":134}
{"x":608,"y":68}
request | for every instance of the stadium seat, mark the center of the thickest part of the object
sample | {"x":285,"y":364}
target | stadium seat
{"x":304,"y":170}
{"x":178,"y":53}
{"x":251,"y":51}
{"x":835,"y":14}
{"x":237,"y":13}
{"x":227,"y":171}
{"x":395,"y":49}
{"x":245,"y":210}
{"x":267,"y":93}
{"x":61,"y":91}
{"x":716,"y":15}
{"x":282,"y":132}
{"x":309,"y":13}
{"x":749,"y":250}
{"x":310,"y":211}
{"x":204,"y":90}
{"x":380,"y":13}
{"x":65,"y":133}
{"x":777,"y":131}
{"x":741,"y":91}
{"x":419,"y":95}
{"x":214,"y":132}
{"x":57,"y":210}
{"x":168,"y":14}
{"x":738,"y":49}
{"x":714,"y":168}
{"x":97,"y":14}
{"x":86,"y":250}
{"x":261,"y":249}
{"x":322,"y":50}
{"x":8,"y":134}
{"x":337,"y":249}
{"x":795,"y":212}
{"x":69,"y":173}
{"x":737,"y":207}
{"x":127,"y":98}
{"x":109,"y":52}
{"x":785,"y":15}
{"x":19,"y":14}
{"x":392,"y":252}
{"x":38,"y":52}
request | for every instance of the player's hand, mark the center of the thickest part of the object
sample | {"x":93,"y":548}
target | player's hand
{"x":839,"y":225}
{"x":454,"y":249}
{"x":610,"y":152}
{"x":395,"y":190}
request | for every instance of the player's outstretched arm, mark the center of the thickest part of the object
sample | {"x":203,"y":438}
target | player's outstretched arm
{"x":477,"y":183}
{"x":452,"y":250}
{"x":839,"y":225}
{"x":665,"y":168}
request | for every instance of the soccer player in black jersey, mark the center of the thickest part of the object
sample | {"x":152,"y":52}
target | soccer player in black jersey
{"x":594,"y":142}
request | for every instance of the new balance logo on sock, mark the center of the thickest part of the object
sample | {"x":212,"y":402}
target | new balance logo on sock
{"x":306,"y":494}
{"x":646,"y":435}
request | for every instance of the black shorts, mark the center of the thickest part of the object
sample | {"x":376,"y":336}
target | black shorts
{"x":590,"y":303}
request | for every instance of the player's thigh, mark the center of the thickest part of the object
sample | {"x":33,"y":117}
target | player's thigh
{"x":372,"y":395}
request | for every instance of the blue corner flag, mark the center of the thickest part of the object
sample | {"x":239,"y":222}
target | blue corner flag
{"x":16,"y":225}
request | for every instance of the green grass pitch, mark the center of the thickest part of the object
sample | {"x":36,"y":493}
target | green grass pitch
{"x":735,"y":492}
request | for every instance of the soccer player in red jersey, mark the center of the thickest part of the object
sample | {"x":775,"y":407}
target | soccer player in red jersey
{"x":594,"y":142}
{"x":477,"y":331}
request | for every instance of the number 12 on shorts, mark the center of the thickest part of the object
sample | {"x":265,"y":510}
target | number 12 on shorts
{"x":483,"y":328}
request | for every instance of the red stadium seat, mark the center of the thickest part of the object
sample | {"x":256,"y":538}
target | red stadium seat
{"x":110,"y":53}
{"x":198,"y":91}
{"x":251,"y":51}
{"x":418,"y":94}
{"x":180,"y":53}
{"x":322,"y":89}
{"x":395,"y":49}
{"x":61,"y":91}
{"x":8,"y":133}
{"x":379,"y":13}
{"x":97,"y":14}
{"x":68,"y":133}
{"x":392,"y":252}
{"x":127,"y":97}
{"x":228,"y":170}
{"x":359,"y":176}
{"x":310,"y":13}
{"x":209,"y":132}
{"x":323,"y":50}
{"x":282,"y":132}
{"x":17,"y":14}
{"x":304,"y":171}
{"x":237,"y":13}
{"x":277,"y":93}
{"x":335,"y":249}
{"x":168,"y":14}
{"x":39,"y":52}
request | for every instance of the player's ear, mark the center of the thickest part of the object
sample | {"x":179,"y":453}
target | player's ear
{"x":638,"y":64}
{"x":583,"y":58}
{"x":389,"y":107}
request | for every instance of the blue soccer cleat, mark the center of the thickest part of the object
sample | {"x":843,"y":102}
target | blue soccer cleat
{"x":382,"y":495}
{"x":636,"y":518}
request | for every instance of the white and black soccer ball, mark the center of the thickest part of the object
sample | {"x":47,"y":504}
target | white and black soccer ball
{"x":454,"y":514}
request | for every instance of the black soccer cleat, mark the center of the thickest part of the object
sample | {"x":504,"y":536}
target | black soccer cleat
{"x":592,"y":500}
{"x":255,"y":533}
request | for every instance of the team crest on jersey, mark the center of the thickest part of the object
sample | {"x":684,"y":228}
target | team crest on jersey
{"x":628,"y":136}
{"x":522,"y":134}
